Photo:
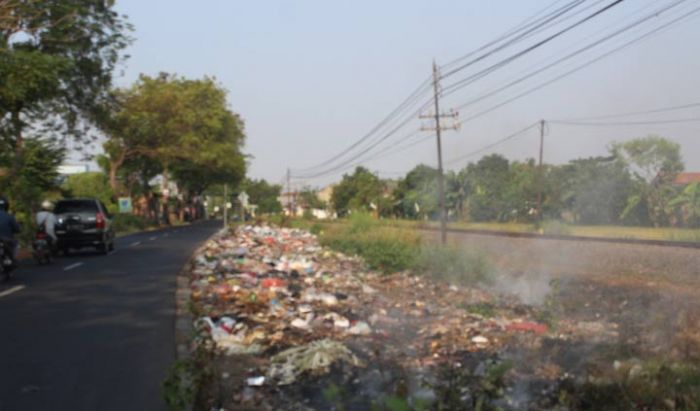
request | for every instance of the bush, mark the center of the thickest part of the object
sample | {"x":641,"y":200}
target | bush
{"x":126,"y":223}
{"x":453,"y":264}
{"x":384,"y":249}
{"x":390,"y":249}
{"x":555,"y":227}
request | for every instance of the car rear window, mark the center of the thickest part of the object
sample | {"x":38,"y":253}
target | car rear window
{"x":75,"y":206}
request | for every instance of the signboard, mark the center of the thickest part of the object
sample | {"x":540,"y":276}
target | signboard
{"x":125,"y":205}
{"x":243,"y":198}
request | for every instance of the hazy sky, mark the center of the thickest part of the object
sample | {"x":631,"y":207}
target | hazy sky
{"x":311,"y":77}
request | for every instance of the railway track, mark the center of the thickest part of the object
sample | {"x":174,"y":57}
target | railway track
{"x":561,"y":237}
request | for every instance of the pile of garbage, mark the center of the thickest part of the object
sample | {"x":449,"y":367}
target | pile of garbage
{"x":301,"y":309}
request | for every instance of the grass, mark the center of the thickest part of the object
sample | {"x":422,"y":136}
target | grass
{"x":561,"y":228}
{"x":392,"y":249}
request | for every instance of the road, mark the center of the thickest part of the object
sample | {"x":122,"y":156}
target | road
{"x":94,"y":332}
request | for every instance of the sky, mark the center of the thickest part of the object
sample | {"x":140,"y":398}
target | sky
{"x":312,"y":77}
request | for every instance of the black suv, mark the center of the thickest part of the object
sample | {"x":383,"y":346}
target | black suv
{"x":83,"y":222}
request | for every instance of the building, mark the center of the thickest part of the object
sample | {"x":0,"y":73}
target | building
{"x":683,"y":179}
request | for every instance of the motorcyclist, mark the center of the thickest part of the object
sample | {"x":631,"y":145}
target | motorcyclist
{"x":46,"y":222}
{"x":8,"y":227}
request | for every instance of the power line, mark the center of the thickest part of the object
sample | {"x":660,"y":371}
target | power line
{"x":492,"y":145}
{"x":626,"y":123}
{"x":414,"y":96}
{"x":571,"y":55}
{"x":634,"y":113}
{"x":496,"y":66}
{"x":504,"y":36}
{"x":578,"y":68}
{"x":558,"y":13}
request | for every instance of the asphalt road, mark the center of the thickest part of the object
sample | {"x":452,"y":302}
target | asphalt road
{"x":94,"y":332}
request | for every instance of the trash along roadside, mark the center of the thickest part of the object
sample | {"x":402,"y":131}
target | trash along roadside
{"x":290,"y":325}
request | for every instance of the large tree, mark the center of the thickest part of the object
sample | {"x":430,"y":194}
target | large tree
{"x":183,"y":126}
{"x":56,"y":62}
{"x":264,"y":195}
{"x":654,"y":162}
{"x":359,"y":191}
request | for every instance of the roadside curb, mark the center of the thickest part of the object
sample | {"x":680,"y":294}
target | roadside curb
{"x":184,"y":319}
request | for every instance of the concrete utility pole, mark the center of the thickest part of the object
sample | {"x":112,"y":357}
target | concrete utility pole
{"x":289,"y":191}
{"x":225,"y":205}
{"x":438,"y":128}
{"x":540,"y":173}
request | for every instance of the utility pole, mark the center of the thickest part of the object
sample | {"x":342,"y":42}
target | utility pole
{"x":438,"y":128}
{"x":289,"y":192}
{"x":540,"y":173}
{"x":225,"y":205}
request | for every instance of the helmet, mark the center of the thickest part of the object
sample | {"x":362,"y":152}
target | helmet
{"x":46,"y":205}
{"x":4,"y":204}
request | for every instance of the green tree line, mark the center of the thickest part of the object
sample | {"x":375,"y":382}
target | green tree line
{"x":632,"y":185}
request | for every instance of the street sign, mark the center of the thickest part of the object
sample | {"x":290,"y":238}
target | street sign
{"x":125,"y":206}
{"x":243,"y":198}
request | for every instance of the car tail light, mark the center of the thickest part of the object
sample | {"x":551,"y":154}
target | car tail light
{"x":41,"y":236}
{"x":100,"y":220}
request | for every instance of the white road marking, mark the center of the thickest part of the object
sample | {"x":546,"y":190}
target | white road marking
{"x":134,"y":244}
{"x":153,"y":238}
{"x":12,"y":290}
{"x":72,"y":266}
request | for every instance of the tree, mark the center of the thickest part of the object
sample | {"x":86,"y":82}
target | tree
{"x":598,"y":189}
{"x":688,"y":204}
{"x":654,"y":162}
{"x":91,"y":184}
{"x":309,"y":197}
{"x":264,"y":195}
{"x":56,"y":62}
{"x":489,"y":179}
{"x":417,"y":194}
{"x":361,"y":191}
{"x":183,"y":126}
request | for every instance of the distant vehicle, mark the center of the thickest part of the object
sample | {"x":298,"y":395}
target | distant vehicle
{"x":7,"y":264}
{"x":83,"y":222}
{"x":42,"y":251}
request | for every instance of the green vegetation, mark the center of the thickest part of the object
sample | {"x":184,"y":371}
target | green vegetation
{"x":361,"y":191}
{"x":648,"y":386}
{"x":485,"y":310}
{"x":391,"y":249}
{"x":51,"y":87}
{"x":633,"y":186}
{"x":264,"y":195}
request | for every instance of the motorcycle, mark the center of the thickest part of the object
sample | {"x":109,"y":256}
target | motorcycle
{"x":43,"y":253}
{"x":7,"y":262}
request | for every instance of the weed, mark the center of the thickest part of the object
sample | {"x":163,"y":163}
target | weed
{"x":551,"y":306}
{"x":485,"y":310}
{"x":651,"y":387}
{"x":455,"y":265}
{"x":462,"y":388}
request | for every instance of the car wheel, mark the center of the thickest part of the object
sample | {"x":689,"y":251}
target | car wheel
{"x":111,"y":246}
{"x":102,"y":248}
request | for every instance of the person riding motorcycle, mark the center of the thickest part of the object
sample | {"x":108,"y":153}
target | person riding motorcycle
{"x":46,"y":222}
{"x":8,"y":228}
